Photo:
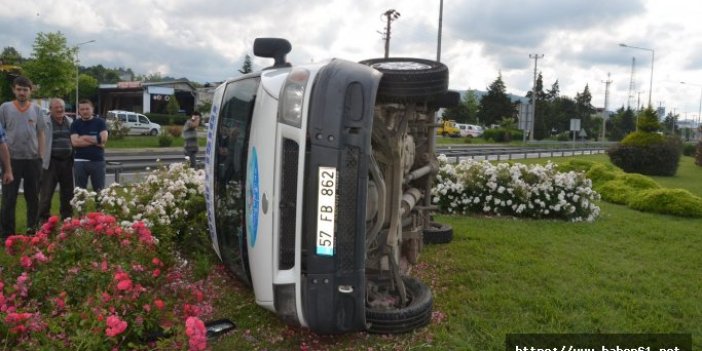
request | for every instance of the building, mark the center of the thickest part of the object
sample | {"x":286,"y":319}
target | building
{"x":145,"y":97}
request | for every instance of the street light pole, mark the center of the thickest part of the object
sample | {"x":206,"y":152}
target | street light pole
{"x":650,"y":84}
{"x":536,"y":58}
{"x":78,"y":70}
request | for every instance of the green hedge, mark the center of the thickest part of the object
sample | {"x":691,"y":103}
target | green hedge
{"x":502,"y":134}
{"x":657,"y":158}
{"x":576,"y":166}
{"x":600,"y":173}
{"x":624,"y":186}
{"x":166,"y":119}
{"x":678,"y":202}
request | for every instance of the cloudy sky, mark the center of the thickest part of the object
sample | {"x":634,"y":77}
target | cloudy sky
{"x":206,"y":41}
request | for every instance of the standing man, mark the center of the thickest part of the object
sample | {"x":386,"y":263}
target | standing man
{"x":88,"y":137}
{"x":190,"y":136}
{"x":23,"y":122}
{"x":57,"y":162}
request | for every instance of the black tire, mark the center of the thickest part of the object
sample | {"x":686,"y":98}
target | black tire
{"x":402,"y":320}
{"x":438,"y":233}
{"x":153,"y":132}
{"x":410,"y":79}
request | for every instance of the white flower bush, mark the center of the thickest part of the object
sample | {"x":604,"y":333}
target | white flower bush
{"x":537,"y":191}
{"x":168,"y":200}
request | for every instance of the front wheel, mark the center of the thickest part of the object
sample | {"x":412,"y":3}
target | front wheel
{"x":403,"y":319}
{"x":153,"y":132}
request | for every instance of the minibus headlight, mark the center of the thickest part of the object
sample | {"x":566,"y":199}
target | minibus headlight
{"x":292,"y":97}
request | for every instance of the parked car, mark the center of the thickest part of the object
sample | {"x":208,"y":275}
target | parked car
{"x":137,"y":123}
{"x":470,"y":130}
{"x":318,"y":187}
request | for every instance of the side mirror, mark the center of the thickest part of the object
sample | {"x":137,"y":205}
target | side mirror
{"x":275,"y":48}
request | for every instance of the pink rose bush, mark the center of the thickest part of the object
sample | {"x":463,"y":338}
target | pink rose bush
{"x":91,"y":284}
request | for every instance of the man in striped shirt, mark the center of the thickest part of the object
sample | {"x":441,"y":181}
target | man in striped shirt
{"x":57,"y":162}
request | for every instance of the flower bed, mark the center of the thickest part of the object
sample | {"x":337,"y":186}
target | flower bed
{"x":515,"y":190}
{"x":92,"y":284}
{"x":170,"y":201}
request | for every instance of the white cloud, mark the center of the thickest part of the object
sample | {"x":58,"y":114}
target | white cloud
{"x":207,"y":41}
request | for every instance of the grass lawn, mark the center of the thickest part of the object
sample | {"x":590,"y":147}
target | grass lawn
{"x":628,"y":272}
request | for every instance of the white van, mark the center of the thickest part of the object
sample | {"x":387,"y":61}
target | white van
{"x":137,"y":123}
{"x":318,"y":187}
{"x":469,"y":130}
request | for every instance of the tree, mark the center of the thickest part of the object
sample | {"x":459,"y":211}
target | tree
{"x":10,"y":56}
{"x":540,"y":129}
{"x":669,"y":123}
{"x":51,"y":65}
{"x":495,"y":105}
{"x":585,"y":110}
{"x":648,"y":120}
{"x":102,"y":74}
{"x":173,"y":106}
{"x":621,"y":123}
{"x":246,"y":67}
{"x":87,"y":87}
{"x":466,"y":111}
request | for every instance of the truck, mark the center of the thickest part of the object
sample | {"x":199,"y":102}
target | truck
{"x":318,"y":187}
{"x":448,"y":128}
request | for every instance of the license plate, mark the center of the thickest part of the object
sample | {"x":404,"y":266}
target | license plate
{"x":326,"y":210}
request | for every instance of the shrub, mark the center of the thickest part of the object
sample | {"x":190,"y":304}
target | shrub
{"x":639,"y":181}
{"x":652,"y":159}
{"x":648,"y":121}
{"x":91,"y":284}
{"x":514,"y":189}
{"x":170,"y":200}
{"x":615,"y":191}
{"x":642,"y":139}
{"x":564,"y":136}
{"x":698,"y":155}
{"x":689,"y":149}
{"x":576,"y":166}
{"x":116,"y":129}
{"x":502,"y":134}
{"x":175,"y":131}
{"x":164,"y":139}
{"x":677,"y":202}
{"x":599,"y":174}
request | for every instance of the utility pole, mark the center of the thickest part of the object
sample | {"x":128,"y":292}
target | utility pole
{"x":390,"y":15}
{"x":536,"y":58}
{"x":605,"y":113}
{"x":438,"y":42}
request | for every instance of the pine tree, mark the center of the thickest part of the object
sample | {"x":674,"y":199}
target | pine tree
{"x":496,"y":105}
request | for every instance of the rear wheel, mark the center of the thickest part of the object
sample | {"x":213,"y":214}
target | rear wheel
{"x":438,"y":233}
{"x":410,"y":79}
{"x":416,"y":314}
{"x":153,"y":132}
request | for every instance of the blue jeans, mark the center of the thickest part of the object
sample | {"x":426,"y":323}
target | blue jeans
{"x":95,"y":170}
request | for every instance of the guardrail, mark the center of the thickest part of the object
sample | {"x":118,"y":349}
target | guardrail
{"x":122,"y":162}
{"x":456,"y":155}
